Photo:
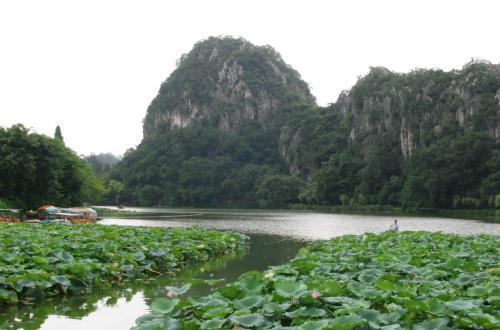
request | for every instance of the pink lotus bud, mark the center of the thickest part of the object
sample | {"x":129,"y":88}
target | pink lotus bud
{"x":314,"y":295}
{"x":169,"y":294}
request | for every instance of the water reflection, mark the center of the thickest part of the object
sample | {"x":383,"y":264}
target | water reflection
{"x":117,"y":308}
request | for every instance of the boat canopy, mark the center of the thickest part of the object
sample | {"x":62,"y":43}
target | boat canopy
{"x":49,"y":211}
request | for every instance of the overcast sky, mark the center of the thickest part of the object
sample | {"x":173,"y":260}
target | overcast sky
{"x":93,"y":67}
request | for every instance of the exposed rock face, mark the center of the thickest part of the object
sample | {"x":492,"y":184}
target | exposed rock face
{"x":419,"y":104}
{"x":223,"y":82}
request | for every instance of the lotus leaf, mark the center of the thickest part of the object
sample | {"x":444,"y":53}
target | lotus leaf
{"x":249,"y":320}
{"x":59,"y":259}
{"x":391,"y":281}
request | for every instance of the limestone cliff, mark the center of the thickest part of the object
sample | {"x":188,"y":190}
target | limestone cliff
{"x":421,"y":104}
{"x":223,"y":82}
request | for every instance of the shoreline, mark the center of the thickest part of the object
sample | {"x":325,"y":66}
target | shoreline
{"x":489,"y":215}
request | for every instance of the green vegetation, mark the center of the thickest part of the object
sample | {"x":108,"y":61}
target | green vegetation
{"x":408,"y":280}
{"x":4,"y":204}
{"x":246,"y":74}
{"x":198,"y":166}
{"x":106,"y":212}
{"x":58,"y":134}
{"x":403,"y":140}
{"x":234,"y":124}
{"x":37,"y":170}
{"x":43,"y":261}
{"x":231,"y":151}
{"x":103,"y":164}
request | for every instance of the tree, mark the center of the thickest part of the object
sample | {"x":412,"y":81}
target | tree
{"x":278,"y":190}
{"x":58,"y":135}
{"x":450,"y":167}
{"x":36,"y":170}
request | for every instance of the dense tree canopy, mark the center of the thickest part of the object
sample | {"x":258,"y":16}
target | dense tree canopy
{"x":199,"y":165}
{"x":36,"y":170}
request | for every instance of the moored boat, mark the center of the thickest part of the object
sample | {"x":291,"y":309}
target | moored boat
{"x":74,"y":215}
{"x":9,"y":215}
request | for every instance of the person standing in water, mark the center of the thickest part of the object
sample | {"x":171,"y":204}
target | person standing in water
{"x":395,"y":225}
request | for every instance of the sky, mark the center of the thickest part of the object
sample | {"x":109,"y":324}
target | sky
{"x":93,"y":67}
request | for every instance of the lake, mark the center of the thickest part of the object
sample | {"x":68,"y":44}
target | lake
{"x":275,"y":237}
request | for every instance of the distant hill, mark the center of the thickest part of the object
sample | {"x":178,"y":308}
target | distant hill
{"x":102,"y":163}
{"x":103,"y":158}
{"x":235,"y":125}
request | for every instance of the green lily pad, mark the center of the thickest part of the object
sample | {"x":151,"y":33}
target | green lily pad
{"x":435,"y":306}
{"x":435,"y":324}
{"x":62,"y":280}
{"x":64,"y":256}
{"x":460,"y":304}
{"x":40,"y":260}
{"x":479,"y":291}
{"x":275,"y":309}
{"x":289,"y":288}
{"x":249,"y":320}
{"x":249,"y":302}
{"x":252,"y":282}
{"x":314,"y":325}
{"x":178,"y":291}
{"x":217,"y":313}
{"x":213,"y":324}
{"x":164,"y":305}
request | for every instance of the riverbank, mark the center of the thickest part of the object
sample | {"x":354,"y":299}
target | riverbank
{"x":492,"y":215}
{"x":109,"y":212}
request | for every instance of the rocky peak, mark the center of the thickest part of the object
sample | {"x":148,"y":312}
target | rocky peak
{"x":416,"y":104}
{"x":223,"y":82}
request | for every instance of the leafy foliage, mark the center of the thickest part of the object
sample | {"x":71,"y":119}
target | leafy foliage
{"x":103,"y":164}
{"x":278,"y":190}
{"x":36,"y":170}
{"x":40,"y":261}
{"x":408,"y":280}
{"x":403,"y":139}
{"x":58,"y":134}
{"x":199,"y":165}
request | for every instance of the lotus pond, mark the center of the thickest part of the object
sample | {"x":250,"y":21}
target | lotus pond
{"x":37,"y":262}
{"x":274,"y":239}
{"x":407,"y":280}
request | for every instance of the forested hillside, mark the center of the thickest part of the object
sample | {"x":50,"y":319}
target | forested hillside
{"x":428,"y":138}
{"x":235,"y":125}
{"x":36,"y":170}
{"x":211,"y":135}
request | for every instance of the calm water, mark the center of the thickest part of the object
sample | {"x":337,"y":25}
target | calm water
{"x":275,"y":237}
{"x":299,"y":225}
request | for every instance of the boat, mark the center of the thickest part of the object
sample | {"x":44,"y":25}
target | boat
{"x":73,"y":215}
{"x":10,"y":215}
